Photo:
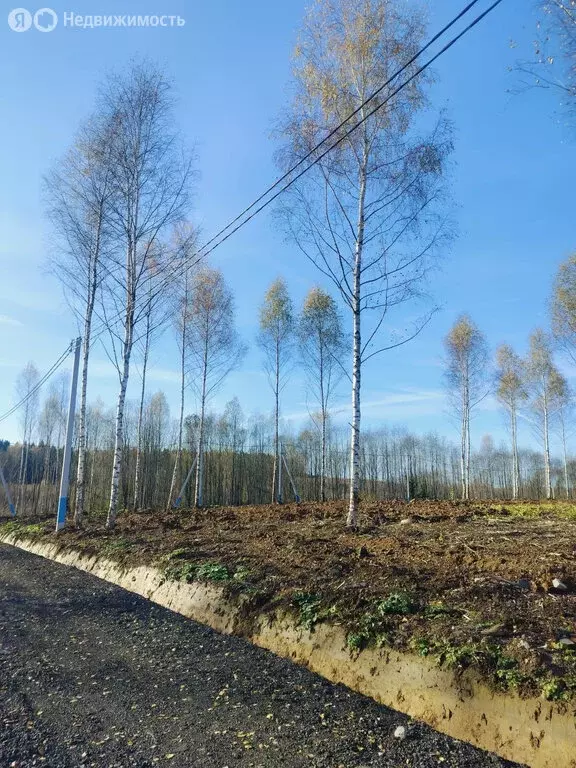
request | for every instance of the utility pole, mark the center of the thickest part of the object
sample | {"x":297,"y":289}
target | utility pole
{"x":65,"y":480}
{"x":188,"y":476}
{"x":11,"y":506}
{"x":292,"y":483}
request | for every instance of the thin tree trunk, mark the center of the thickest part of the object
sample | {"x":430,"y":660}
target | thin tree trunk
{"x":468,"y":451}
{"x":323,"y":466}
{"x":352,"y":518}
{"x":463,"y":445}
{"x":198,"y":494}
{"x":276,"y":422}
{"x":178,"y":461}
{"x":137,"y":494}
{"x":81,"y":470}
{"x":119,"y":429}
{"x":22,"y":472}
{"x":515,"y":462}
{"x":547,"y":479}
{"x":565,"y":456}
{"x":324,"y":418}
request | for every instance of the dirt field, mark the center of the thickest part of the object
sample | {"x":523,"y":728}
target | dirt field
{"x":92,"y":676}
{"x":491,"y":586}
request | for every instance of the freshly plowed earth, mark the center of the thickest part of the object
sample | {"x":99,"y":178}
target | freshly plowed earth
{"x":475,"y":574}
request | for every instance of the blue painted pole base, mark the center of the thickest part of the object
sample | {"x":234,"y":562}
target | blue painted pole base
{"x":177,"y":502}
{"x":12,"y":510}
{"x":62,"y":507}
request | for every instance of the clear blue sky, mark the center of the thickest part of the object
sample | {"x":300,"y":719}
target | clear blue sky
{"x":513,"y":185}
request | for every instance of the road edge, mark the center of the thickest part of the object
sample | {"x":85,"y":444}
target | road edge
{"x":539,"y":733}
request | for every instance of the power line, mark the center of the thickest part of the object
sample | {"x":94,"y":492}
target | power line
{"x":335,"y":130}
{"x":42,"y":381}
{"x":204,"y":250}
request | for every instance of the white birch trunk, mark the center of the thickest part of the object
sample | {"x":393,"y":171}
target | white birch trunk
{"x":352,"y":519}
{"x":198,"y":494}
{"x":137,"y":473}
{"x":565,"y":457}
{"x":91,"y":296}
{"x":463,"y":444}
{"x":178,"y":460}
{"x":119,"y":428}
{"x":515,"y":462}
{"x":276,"y":420}
{"x":323,"y":459}
{"x":81,"y":469}
{"x":468,"y":451}
{"x":547,"y":480}
{"x":324,"y":419}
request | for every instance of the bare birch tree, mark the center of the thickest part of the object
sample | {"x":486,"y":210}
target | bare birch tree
{"x":214,"y":348}
{"x":546,"y":388}
{"x":369,"y":214}
{"x":276,"y":340}
{"x":322,"y":346}
{"x":466,"y":378}
{"x":554,"y":62}
{"x":511,"y":392}
{"x":151,"y":179}
{"x":78,"y":192}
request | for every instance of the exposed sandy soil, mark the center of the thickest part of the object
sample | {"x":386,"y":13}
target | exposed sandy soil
{"x":470,"y":583}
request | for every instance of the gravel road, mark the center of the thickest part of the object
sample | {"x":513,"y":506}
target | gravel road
{"x":91,"y":675}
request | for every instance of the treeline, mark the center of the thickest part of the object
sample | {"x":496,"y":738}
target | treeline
{"x":239,"y":461}
{"x":529,"y":388}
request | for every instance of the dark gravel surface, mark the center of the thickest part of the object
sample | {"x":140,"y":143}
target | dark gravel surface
{"x":91,"y":675}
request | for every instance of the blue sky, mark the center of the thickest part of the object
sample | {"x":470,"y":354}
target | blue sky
{"x":513,"y":187}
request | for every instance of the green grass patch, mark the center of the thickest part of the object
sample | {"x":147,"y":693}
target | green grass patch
{"x":213,"y":572}
{"x":178,"y":569}
{"x":116,"y":546}
{"x":20,"y":529}
{"x":531,"y":510}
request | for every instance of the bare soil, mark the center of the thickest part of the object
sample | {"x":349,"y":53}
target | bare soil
{"x":470,"y":584}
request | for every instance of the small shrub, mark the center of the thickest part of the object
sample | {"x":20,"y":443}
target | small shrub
{"x":241,"y":573}
{"x":555,"y":690}
{"x":212,"y":572}
{"x":423,"y":646}
{"x":180,"y":572}
{"x":461,"y":656}
{"x":355,"y":641}
{"x":310,"y":609}
{"x":399,"y":603}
